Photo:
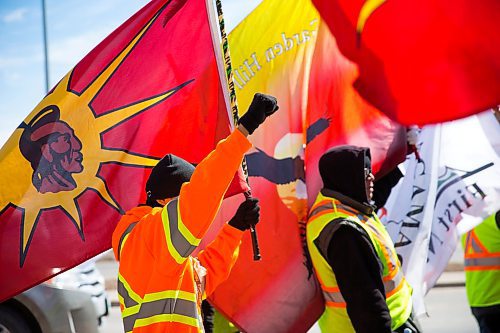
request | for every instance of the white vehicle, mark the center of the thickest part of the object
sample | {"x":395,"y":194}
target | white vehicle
{"x":86,"y":277}
{"x":74,"y":301}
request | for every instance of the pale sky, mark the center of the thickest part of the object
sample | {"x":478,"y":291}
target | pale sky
{"x":74,"y":28}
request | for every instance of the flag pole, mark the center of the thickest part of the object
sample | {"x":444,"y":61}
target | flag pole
{"x":234,"y":111}
{"x":45,"y":47}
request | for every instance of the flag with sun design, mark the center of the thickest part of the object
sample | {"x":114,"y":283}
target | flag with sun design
{"x":82,"y":156}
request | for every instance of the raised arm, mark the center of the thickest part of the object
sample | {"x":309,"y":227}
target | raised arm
{"x":200,"y":198}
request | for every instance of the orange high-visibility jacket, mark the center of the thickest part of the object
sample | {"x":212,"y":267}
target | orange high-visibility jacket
{"x":156,"y":279}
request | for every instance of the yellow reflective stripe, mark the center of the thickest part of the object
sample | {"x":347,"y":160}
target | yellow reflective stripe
{"x":184,"y":230}
{"x":179,"y":246}
{"x":122,"y":243}
{"x":179,"y":294}
{"x":131,"y":310}
{"x":168,"y":317}
{"x":131,"y":293}
{"x":124,"y":236}
{"x":170,"y":246}
{"x":169,"y":305}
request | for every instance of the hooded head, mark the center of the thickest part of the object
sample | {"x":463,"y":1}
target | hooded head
{"x":343,"y":169}
{"x":167,"y":178}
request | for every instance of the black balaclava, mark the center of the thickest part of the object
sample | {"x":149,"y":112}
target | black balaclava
{"x":343,"y":170}
{"x":167,"y":178}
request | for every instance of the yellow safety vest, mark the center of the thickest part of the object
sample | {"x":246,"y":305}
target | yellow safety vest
{"x":397,"y":290}
{"x":482,"y":263}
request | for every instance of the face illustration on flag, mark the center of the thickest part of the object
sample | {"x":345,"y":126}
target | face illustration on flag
{"x":83,"y":155}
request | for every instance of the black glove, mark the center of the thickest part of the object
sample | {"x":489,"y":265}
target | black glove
{"x":247,"y":215}
{"x":261,"y":107}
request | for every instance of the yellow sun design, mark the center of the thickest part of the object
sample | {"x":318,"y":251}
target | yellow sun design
{"x":16,"y":183}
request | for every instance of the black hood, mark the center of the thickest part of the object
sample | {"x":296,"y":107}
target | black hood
{"x":343,"y":170}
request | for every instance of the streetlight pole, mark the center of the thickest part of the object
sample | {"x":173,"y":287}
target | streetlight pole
{"x":45,"y":47}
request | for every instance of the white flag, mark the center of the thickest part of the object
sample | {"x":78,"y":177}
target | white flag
{"x":454,"y":187}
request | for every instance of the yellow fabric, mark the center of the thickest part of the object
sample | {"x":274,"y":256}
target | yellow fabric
{"x":273,"y":46}
{"x":335,"y":317}
{"x":483,"y":284}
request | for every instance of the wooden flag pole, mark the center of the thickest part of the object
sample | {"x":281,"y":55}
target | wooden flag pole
{"x":234,"y":111}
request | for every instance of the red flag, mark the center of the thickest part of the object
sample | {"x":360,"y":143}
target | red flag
{"x":83,"y":155}
{"x":421,"y":62}
{"x":283,"y":49}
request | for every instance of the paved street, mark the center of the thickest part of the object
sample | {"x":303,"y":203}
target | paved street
{"x":448,"y":312}
{"x":447,"y":307}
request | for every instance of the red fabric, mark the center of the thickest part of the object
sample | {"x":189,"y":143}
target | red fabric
{"x":175,"y":51}
{"x":275,"y":294}
{"x":238,"y":184}
{"x":422,"y":62}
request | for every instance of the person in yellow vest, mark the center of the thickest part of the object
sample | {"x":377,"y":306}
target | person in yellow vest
{"x":482,"y":272}
{"x":160,"y":285}
{"x":353,"y":256}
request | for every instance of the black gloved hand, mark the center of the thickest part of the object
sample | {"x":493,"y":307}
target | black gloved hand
{"x":247,"y":215}
{"x":261,"y":107}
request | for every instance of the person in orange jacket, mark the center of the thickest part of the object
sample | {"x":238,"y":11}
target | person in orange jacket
{"x":160,"y":285}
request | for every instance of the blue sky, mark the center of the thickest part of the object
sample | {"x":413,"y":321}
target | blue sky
{"x":74,"y":28}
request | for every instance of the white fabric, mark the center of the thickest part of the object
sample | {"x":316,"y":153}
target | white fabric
{"x":452,"y":189}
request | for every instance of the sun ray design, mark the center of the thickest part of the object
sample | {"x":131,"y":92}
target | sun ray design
{"x":365,"y":12}
{"x":98,"y":183}
{"x":128,"y":159}
{"x":72,"y":211}
{"x":101,"y":80}
{"x":30,"y":219}
{"x":39,"y":188}
{"x":111,"y":119}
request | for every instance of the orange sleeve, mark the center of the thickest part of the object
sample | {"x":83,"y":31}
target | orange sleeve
{"x":201,"y":197}
{"x":220,"y":256}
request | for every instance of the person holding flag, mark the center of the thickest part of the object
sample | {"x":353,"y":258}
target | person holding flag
{"x":353,"y":256}
{"x":160,"y":284}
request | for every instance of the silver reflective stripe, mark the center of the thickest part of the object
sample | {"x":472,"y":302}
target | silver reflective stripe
{"x":181,"y":244}
{"x":125,"y":233}
{"x":388,"y":246}
{"x":123,"y":292}
{"x":352,"y":211}
{"x":392,"y":284}
{"x":333,"y":296}
{"x":482,"y":262}
{"x":336,"y":296}
{"x":320,"y":209}
{"x":164,"y":306}
{"x":470,"y":240}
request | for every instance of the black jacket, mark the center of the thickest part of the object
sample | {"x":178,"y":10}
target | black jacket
{"x":347,"y":247}
{"x":358,"y":270}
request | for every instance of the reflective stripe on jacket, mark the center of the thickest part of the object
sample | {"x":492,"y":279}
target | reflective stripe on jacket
{"x":482,"y":263}
{"x":156,"y":281}
{"x":398,"y":292}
